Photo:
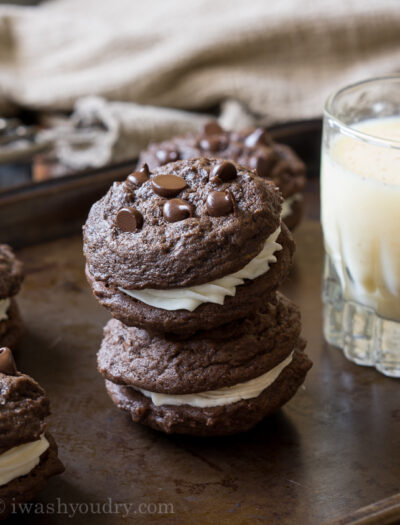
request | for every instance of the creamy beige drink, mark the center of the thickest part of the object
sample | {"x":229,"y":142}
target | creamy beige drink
{"x":360,"y":197}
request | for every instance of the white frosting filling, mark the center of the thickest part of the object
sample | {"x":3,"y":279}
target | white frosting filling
{"x":19,"y":461}
{"x":215,"y":291}
{"x":4,"y":306}
{"x":222,"y":396}
{"x":287,"y":204}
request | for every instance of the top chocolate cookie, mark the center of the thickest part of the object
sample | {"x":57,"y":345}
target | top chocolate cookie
{"x":182,"y":224}
{"x":11,"y":274}
{"x":251,"y":147}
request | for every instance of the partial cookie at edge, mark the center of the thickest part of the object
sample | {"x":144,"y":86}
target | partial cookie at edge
{"x":25,"y":488}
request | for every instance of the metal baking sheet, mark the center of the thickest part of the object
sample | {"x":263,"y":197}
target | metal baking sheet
{"x":333,"y":449}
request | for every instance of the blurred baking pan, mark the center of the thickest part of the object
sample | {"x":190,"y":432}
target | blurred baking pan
{"x":32,"y":212}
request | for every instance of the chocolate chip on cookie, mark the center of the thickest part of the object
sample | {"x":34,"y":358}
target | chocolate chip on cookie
{"x":258,"y":136}
{"x":177,"y":210}
{"x":220,"y":203}
{"x":212,"y":144}
{"x":262,"y":166}
{"x":168,"y":185}
{"x":129,"y":219}
{"x":224,"y":172}
{"x":212,"y":128}
{"x":137,"y":178}
{"x":167,"y":155}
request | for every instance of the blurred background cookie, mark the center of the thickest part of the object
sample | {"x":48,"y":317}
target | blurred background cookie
{"x":253,"y":148}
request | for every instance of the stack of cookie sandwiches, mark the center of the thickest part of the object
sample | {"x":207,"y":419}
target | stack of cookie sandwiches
{"x":28,"y":453}
{"x":188,"y":258}
{"x":252,"y":148}
{"x":11,"y":277}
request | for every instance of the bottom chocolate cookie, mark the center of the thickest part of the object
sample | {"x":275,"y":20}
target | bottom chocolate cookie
{"x":219,"y":420}
{"x":25,"y":488}
{"x":11,"y":329}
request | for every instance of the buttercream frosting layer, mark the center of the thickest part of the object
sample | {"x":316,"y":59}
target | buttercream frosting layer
{"x":215,"y":291}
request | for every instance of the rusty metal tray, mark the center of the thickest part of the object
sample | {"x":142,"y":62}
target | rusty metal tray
{"x":334,"y":449}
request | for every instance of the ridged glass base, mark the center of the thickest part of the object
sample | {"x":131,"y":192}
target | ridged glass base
{"x":365,"y":338}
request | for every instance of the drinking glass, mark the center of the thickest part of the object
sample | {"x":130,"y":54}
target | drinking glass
{"x":360,"y":210}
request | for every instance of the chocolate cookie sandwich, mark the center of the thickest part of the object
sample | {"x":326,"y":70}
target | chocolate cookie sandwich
{"x":28,"y":453}
{"x":11,"y":276}
{"x":190,"y":245}
{"x":252,"y":148}
{"x":218,"y":382}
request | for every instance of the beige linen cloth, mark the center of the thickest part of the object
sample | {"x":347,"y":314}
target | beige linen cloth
{"x":258,"y":60}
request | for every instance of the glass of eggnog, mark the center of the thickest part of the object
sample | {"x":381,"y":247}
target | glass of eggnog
{"x":360,"y":210}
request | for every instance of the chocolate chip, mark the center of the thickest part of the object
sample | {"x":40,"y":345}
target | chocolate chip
{"x":7,"y":363}
{"x":212,"y":128}
{"x":139,"y":177}
{"x":219,"y":203}
{"x":129,"y":219}
{"x":210,"y":144}
{"x":168,"y":185}
{"x":225,"y":171}
{"x":165,"y":156}
{"x":262,"y":167}
{"x":177,"y":210}
{"x":259,"y":136}
{"x":264,"y":163}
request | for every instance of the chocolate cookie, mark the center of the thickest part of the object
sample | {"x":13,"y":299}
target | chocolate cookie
{"x":228,"y":355}
{"x":23,"y":408}
{"x":252,"y":148}
{"x":195,"y":247}
{"x":28,"y":454}
{"x":11,"y":274}
{"x":25,"y":488}
{"x":11,"y":328}
{"x":186,"y":223}
{"x":213,"y":421}
{"x":247,"y":299}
